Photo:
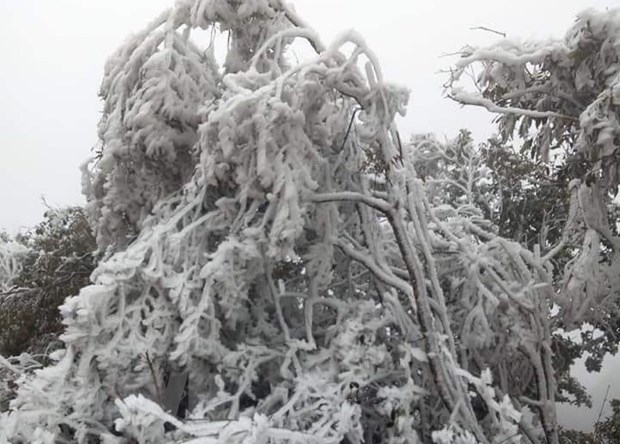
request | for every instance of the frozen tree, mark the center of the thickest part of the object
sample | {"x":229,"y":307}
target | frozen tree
{"x":560,"y":99}
{"x":269,"y":234}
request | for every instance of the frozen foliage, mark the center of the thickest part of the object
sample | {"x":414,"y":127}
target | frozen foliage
{"x":11,"y":257}
{"x":152,"y":90}
{"x":11,"y":369}
{"x":269,"y":234}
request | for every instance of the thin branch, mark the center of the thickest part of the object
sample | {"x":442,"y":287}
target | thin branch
{"x":381,"y":274}
{"x":346,"y":136}
{"x":158,"y":390}
{"x":351,"y":196}
{"x":484,"y":28}
{"x":471,"y":99}
{"x":598,"y":419}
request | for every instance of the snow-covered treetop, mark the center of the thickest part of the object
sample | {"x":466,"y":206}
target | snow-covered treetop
{"x":568,"y":89}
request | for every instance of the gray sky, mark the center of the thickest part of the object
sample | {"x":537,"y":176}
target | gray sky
{"x":53,"y":52}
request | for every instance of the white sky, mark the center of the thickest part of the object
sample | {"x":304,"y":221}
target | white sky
{"x":52,"y":54}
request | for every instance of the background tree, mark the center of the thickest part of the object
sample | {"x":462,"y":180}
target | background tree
{"x":560,"y":98}
{"x":54,"y":261}
{"x":608,"y":431}
{"x":525,"y":201}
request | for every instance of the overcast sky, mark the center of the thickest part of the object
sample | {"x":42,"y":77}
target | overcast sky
{"x":52,"y":55}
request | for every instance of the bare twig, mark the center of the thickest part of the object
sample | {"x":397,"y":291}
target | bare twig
{"x":154,"y":376}
{"x":484,"y":28}
{"x":600,"y":413}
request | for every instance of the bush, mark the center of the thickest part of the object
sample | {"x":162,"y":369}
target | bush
{"x":56,"y":262}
